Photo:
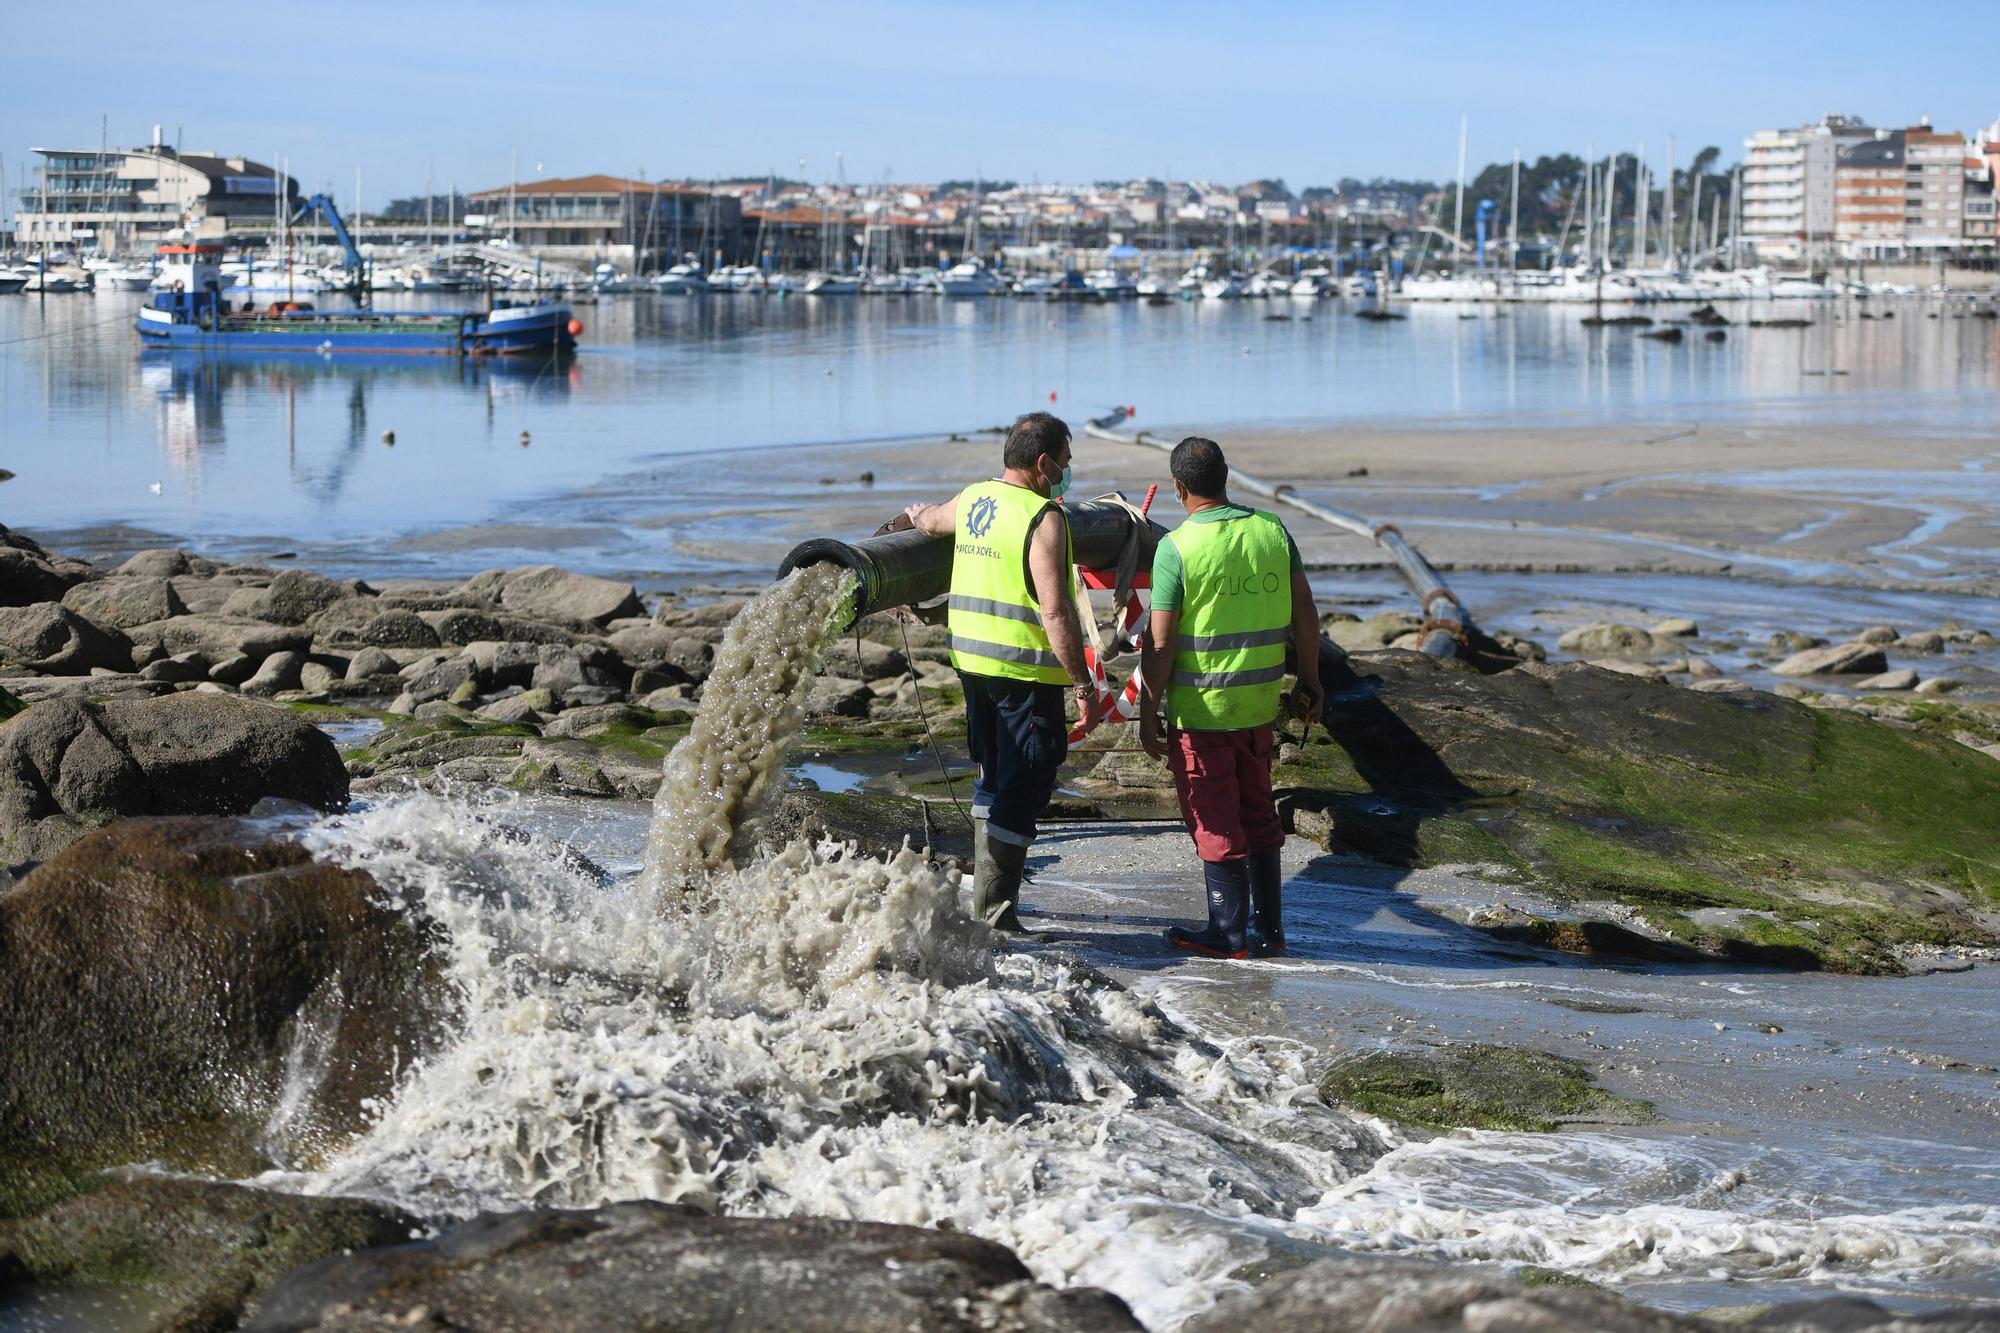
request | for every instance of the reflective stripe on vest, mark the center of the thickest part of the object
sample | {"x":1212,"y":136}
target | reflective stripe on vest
{"x":1235,"y":620}
{"x":993,"y":613}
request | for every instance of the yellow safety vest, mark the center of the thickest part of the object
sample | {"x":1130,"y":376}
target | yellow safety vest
{"x":995,"y":617}
{"x":1235,"y":619}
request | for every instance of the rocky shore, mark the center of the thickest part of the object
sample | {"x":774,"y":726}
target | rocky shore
{"x":184,"y":984}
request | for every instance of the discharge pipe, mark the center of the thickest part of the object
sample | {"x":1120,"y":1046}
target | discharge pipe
{"x":906,"y":567}
{"x":1444,"y":626}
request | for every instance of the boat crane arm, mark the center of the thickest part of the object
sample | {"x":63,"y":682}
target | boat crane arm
{"x":322,"y":204}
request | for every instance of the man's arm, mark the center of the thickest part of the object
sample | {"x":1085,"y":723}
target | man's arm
{"x":936,"y":520}
{"x":1055,"y":590}
{"x":1156,"y":665}
{"x":1309,"y":698}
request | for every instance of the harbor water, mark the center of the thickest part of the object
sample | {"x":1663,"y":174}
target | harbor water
{"x":671,"y":396}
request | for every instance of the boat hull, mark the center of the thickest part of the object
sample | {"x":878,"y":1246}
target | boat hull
{"x":526,"y":331}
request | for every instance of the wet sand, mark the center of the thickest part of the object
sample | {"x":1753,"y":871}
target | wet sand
{"x":1856,"y":506}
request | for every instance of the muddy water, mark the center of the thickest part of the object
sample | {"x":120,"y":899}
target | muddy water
{"x":722,"y":776}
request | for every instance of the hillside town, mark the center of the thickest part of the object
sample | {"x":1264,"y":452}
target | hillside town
{"x":1836,"y":191}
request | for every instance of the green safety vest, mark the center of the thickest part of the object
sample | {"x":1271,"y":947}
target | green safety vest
{"x":995,"y":617}
{"x":1235,"y":619}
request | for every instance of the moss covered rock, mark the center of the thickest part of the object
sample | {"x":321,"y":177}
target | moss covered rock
{"x":203,"y":1250}
{"x":1742,"y":824}
{"x":167,"y":984}
{"x":1477,"y":1086}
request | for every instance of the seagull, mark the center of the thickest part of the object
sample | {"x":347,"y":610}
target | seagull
{"x":154,"y":488}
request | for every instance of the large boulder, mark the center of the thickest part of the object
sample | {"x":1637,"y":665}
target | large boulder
{"x":69,"y":765}
{"x":1857,"y":658}
{"x":51,"y":638}
{"x":1744,"y":823}
{"x":164,"y":982}
{"x":121,"y":603}
{"x":550,"y":592}
{"x":292,"y":598}
{"x":1612,"y":640}
{"x":203,"y":1250}
{"x":30,"y":574}
{"x":666,"y":1268}
{"x":165,"y":562}
{"x":221,"y":637}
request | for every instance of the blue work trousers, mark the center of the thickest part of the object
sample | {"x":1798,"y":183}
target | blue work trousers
{"x":1019,"y":737}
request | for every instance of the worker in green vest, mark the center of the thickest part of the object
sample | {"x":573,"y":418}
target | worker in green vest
{"x":1018,"y":646}
{"x":1229,"y":593}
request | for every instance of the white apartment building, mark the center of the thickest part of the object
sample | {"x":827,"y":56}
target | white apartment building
{"x":1788,"y":185}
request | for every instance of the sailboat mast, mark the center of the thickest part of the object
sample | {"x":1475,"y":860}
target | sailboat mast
{"x":1642,"y":198}
{"x":1694,"y":216}
{"x":1514,"y":214}
{"x":1590,"y":205}
{"x":1668,"y":251}
{"x":1458,"y":205}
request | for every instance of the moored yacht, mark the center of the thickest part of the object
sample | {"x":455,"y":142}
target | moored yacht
{"x":1110,"y":284}
{"x":682,"y":280}
{"x":833,"y":284}
{"x":971,"y":278}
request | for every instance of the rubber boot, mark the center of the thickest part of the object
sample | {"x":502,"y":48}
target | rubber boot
{"x":1228,"y":905}
{"x":1267,"y":919}
{"x":997,"y":870}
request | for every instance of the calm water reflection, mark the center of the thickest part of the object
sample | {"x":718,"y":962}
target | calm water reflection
{"x":292,"y":448}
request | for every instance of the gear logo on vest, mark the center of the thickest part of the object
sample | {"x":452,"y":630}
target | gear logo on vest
{"x":980,"y":518}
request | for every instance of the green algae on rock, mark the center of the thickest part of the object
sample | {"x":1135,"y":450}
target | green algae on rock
{"x":1742,"y":825}
{"x":1477,"y":1086}
{"x":204,"y":1250}
{"x":160,"y":978}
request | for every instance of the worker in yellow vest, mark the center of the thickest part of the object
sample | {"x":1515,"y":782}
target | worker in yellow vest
{"x":1229,"y":592}
{"x":1017,"y":644}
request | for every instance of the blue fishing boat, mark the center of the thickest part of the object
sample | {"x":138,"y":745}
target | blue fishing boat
{"x":192,"y":310}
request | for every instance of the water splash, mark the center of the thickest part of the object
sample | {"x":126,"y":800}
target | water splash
{"x":833,"y":1036}
{"x":721,"y":778}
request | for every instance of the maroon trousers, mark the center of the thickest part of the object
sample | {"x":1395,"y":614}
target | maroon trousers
{"x":1223,"y":779}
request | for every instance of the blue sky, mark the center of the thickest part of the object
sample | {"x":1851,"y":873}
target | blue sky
{"x":1059,"y":91}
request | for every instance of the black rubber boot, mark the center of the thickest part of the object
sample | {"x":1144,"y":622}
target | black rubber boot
{"x":1228,"y":905}
{"x":997,"y":869}
{"x":1267,"y":918}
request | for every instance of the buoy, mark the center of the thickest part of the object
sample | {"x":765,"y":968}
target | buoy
{"x":1131,"y":411}
{"x":575,"y":328}
{"x":389,"y":438}
{"x":524,"y":439}
{"x":1052,"y":395}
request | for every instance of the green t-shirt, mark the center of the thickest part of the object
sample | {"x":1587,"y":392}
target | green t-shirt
{"x":1167,"y":559}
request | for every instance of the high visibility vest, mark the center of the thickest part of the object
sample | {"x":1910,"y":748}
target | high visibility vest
{"x":1235,"y":618}
{"x":994,"y":615}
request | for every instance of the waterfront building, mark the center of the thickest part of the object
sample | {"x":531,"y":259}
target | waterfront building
{"x":639,"y":226}
{"x":1870,"y":186}
{"x":1902,"y":194}
{"x":1982,"y":222}
{"x":128,"y":201}
{"x":1789,"y":179}
{"x":1934,"y":200}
